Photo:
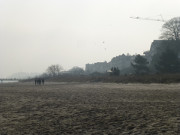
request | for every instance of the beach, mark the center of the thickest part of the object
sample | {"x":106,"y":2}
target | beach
{"x":89,"y":108}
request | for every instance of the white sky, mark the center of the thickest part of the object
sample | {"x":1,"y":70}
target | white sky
{"x":37,"y":33}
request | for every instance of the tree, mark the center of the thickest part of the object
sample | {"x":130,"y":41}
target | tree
{"x":54,"y":70}
{"x":140,"y":65}
{"x":76,"y":71}
{"x":115,"y":71}
{"x":168,"y":62}
{"x":160,"y":48}
{"x":171,"y":29}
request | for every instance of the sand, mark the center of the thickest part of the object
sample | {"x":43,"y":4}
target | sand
{"x":89,"y":108}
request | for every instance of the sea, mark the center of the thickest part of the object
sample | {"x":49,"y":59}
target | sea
{"x":8,"y":81}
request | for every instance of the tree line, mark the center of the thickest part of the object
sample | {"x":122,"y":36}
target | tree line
{"x":165,"y":61}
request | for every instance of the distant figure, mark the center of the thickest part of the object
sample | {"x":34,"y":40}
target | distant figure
{"x":42,"y":81}
{"x":38,"y":81}
{"x":35,"y":81}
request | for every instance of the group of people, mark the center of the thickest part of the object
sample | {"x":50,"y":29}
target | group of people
{"x":39,"y":81}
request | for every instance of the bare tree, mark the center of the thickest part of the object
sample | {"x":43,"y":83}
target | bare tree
{"x":171,"y":29}
{"x":54,"y":70}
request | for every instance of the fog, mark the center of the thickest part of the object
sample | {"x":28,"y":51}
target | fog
{"x":35,"y":34}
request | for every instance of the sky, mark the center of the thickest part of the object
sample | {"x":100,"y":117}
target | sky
{"x":35,"y":34}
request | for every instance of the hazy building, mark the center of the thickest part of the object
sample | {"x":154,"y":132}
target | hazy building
{"x":159,"y":46}
{"x":121,"y":61}
{"x":100,"y":67}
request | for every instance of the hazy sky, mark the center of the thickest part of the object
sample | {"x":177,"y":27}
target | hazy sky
{"x":37,"y":33}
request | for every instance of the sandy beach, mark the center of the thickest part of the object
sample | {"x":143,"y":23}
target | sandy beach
{"x":89,"y":108}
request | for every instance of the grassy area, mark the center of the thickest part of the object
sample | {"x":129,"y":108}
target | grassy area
{"x":89,"y":108}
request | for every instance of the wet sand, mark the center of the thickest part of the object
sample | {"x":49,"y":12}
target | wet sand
{"x":89,"y":108}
